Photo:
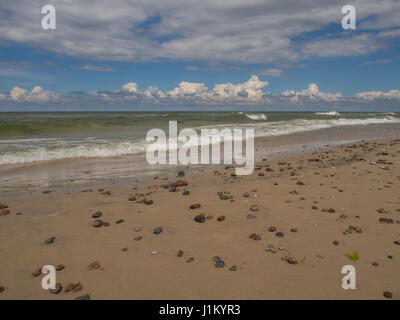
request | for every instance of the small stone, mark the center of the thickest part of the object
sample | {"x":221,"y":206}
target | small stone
{"x":246,"y":195}
{"x":270,"y":248}
{"x":180,"y":253}
{"x":300,"y":183}
{"x":2,"y":289}
{"x":4,"y":212}
{"x":209,"y":217}
{"x":84,"y":297}
{"x":97,"y":223}
{"x":386,"y":220}
{"x":279,"y":234}
{"x":397,"y":242}
{"x":200,"y":218}
{"x":57,"y":289}
{"x":233,"y":268}
{"x":138,"y":238}
{"x":69,"y":287}
{"x":154,"y":252}
{"x":254,"y":236}
{"x":375,"y":264}
{"x":60,"y":267}
{"x":357,"y":229}
{"x":314,"y":207}
{"x":181,"y":173}
{"x":272,"y":229}
{"x":293,"y":230}
{"x":190,"y":260}
{"x":94,"y":265}
{"x":157,"y":230}
{"x":381,"y":210}
{"x":50,"y":240}
{"x":219,"y":264}
{"x":343,"y":216}
{"x":96,"y":215}
{"x":388,"y":294}
{"x":195,"y":206}
{"x":251,"y":216}
{"x":254,"y":207}
{"x":77,"y":287}
{"x":3,"y":206}
{"x":37,"y":272}
{"x":119,"y":221}
{"x":320,"y":255}
{"x":221,"y":218}
{"x":291,"y":260}
{"x":335,"y":243}
{"x":132,"y":198}
{"x":148,"y":202}
{"x":185,"y":193}
{"x":106,"y":224}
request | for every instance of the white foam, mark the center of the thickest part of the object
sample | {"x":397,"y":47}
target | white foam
{"x":330,"y":113}
{"x":257,"y":116}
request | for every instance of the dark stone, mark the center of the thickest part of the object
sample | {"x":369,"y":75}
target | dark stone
{"x":96,"y":215}
{"x":185,"y":193}
{"x":50,"y":240}
{"x":97,"y":223}
{"x":157,"y":230}
{"x":279,"y":234}
{"x":388,"y":294}
{"x":84,"y":297}
{"x":200,"y":218}
{"x":57,"y":289}
{"x":119,"y":221}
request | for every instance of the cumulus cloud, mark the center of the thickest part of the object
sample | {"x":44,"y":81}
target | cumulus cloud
{"x":249,"y":93}
{"x":256,"y":31}
{"x":37,"y":94}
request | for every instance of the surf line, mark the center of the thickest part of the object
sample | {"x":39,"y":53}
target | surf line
{"x":183,"y":147}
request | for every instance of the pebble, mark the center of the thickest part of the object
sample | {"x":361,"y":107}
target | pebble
{"x":37,"y":272}
{"x":272,"y":229}
{"x":300,"y":183}
{"x":320,"y":255}
{"x":385,"y":220}
{"x":77,"y":287}
{"x":314,"y":207}
{"x":94,"y":265}
{"x":179,"y":253}
{"x":57,"y":289}
{"x":2,"y":289}
{"x":190,"y":260}
{"x":186,"y":193}
{"x":138,"y":238}
{"x":195,"y":206}
{"x":220,"y":264}
{"x":50,"y":240}
{"x":106,"y":224}
{"x":254,"y":236}
{"x":60,"y":267}
{"x":97,"y":223}
{"x":200,"y":218}
{"x":148,"y":202}
{"x":84,"y":297}
{"x":154,"y":252}
{"x":270,"y":248}
{"x":69,"y":287}
{"x":375,"y":264}
{"x":181,"y":173}
{"x":279,"y":234}
{"x":251,"y":216}
{"x":388,"y":294}
{"x":119,"y":221}
{"x":246,"y":195}
{"x":3,"y":206}
{"x":293,"y":230}
{"x":254,"y":207}
{"x":132,"y":198}
{"x":233,"y":268}
{"x":291,"y":260}
{"x":157,"y":230}
{"x":397,"y":242}
{"x":221,"y":218}
{"x":4,"y":212}
{"x":96,"y":215}
{"x":335,"y":243}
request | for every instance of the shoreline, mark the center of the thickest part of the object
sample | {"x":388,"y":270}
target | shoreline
{"x":355,"y":180}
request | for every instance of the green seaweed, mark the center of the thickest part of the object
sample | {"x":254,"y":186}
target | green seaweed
{"x":352,"y":256}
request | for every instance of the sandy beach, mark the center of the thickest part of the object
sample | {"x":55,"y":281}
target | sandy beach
{"x":284,"y":232}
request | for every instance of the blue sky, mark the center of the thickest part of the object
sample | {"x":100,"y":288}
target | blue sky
{"x":262,"y":54}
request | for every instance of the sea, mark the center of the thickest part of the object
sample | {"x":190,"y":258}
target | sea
{"x":52,"y":147}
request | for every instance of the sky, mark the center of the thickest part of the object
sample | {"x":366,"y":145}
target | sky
{"x":199,"y":55}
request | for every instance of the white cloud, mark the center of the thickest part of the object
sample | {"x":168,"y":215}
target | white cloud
{"x":91,"y":67}
{"x":249,"y":93}
{"x":255,"y":31}
{"x":274,"y":72}
{"x":37,"y":94}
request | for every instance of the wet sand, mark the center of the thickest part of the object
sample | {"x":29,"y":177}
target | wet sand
{"x":326,"y":205}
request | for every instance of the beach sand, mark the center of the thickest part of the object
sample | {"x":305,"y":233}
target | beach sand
{"x":325,"y":204}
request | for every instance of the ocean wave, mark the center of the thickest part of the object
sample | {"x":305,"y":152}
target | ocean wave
{"x":42,"y":154}
{"x":330,"y":113}
{"x":256,"y":116}
{"x":103,"y":148}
